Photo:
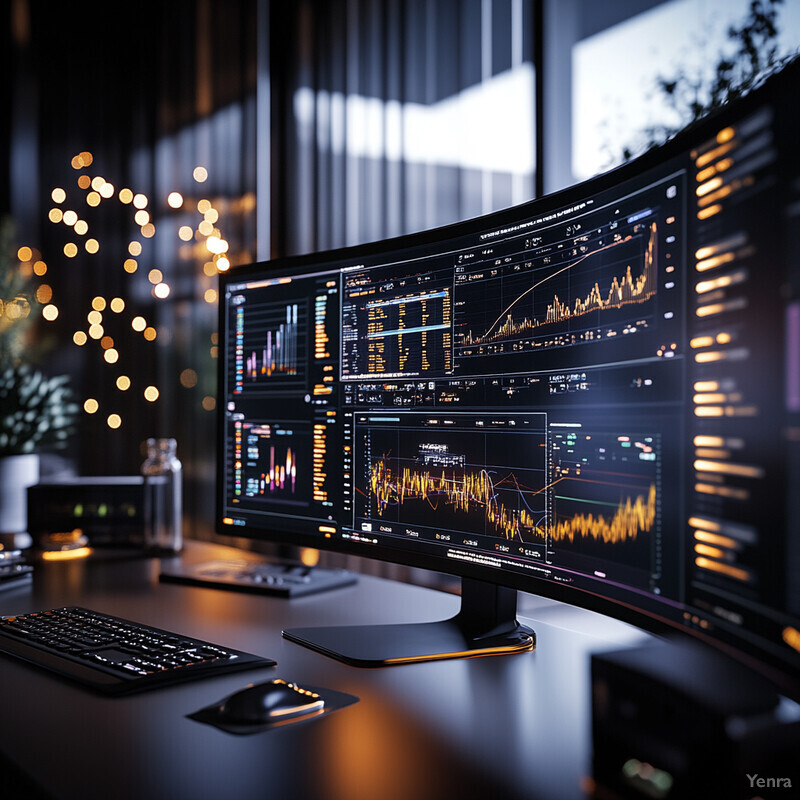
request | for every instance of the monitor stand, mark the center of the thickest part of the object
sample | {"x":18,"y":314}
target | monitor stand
{"x":485,"y":625}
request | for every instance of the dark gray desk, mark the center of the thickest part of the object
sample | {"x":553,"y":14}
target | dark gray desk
{"x":501,"y":727}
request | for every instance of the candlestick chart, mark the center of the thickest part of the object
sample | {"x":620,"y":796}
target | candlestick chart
{"x":269,"y":461}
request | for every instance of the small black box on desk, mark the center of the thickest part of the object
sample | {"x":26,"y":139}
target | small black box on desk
{"x":109,"y":510}
{"x":675,"y":720}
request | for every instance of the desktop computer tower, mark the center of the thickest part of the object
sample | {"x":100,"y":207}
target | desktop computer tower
{"x":675,"y":720}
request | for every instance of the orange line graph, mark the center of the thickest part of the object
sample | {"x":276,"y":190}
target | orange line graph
{"x":631,"y":518}
{"x":464,"y":493}
{"x":622,"y":292}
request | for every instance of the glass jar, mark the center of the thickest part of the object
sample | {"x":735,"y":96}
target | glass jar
{"x":163,"y":505}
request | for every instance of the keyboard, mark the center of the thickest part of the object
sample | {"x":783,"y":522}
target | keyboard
{"x":113,"y":655}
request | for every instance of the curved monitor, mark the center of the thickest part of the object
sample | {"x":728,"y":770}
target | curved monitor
{"x":594,"y":396}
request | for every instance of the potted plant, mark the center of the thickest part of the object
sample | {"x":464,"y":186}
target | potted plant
{"x":36,"y":412}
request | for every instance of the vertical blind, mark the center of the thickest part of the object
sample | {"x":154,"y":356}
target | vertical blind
{"x":399,"y":116}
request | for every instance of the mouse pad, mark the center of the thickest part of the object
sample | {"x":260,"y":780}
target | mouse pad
{"x":333,"y":702}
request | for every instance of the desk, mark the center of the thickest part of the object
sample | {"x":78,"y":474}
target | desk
{"x":499,"y":727}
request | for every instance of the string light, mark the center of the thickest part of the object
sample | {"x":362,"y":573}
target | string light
{"x":97,"y":188}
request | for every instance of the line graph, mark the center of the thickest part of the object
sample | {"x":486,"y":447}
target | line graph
{"x":587,"y":289}
{"x":469,"y":479}
{"x":605,"y":495}
{"x":465,"y":492}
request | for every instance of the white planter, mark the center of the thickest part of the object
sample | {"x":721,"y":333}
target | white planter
{"x":17,"y":473}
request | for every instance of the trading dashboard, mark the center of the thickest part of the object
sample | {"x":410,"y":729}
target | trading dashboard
{"x":599,"y":390}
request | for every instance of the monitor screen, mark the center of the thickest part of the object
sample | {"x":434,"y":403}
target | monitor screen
{"x":594,"y":396}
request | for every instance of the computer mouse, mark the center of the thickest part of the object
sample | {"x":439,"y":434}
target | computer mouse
{"x":272,"y":701}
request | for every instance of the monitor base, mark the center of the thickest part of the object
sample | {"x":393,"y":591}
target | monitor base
{"x":486,"y":625}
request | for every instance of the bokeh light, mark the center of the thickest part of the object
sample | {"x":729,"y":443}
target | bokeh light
{"x":200,"y":174}
{"x":90,"y":405}
{"x":188,"y":378}
{"x":58,"y":195}
{"x":151,"y":394}
{"x":114,"y":421}
{"x":175,"y":200}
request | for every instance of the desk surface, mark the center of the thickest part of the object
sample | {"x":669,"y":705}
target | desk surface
{"x":505,"y":726}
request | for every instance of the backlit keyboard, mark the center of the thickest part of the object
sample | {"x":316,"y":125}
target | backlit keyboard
{"x":115,"y":655}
